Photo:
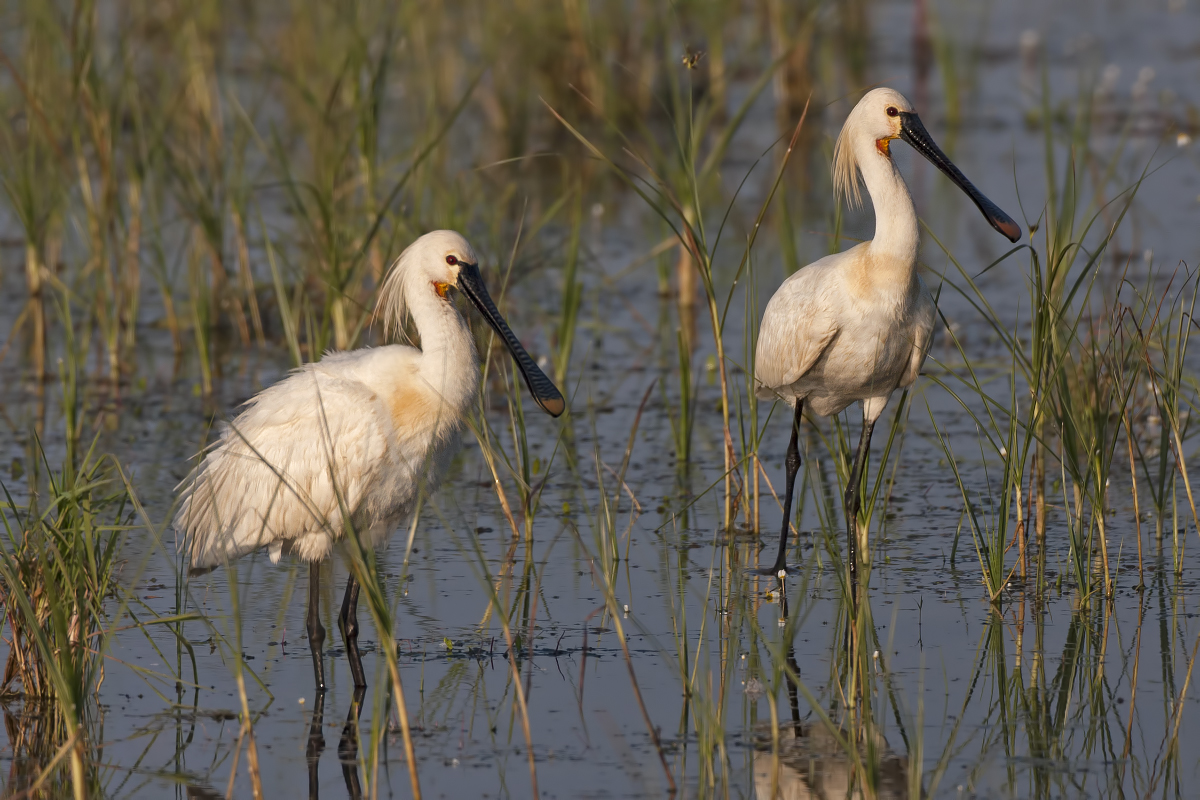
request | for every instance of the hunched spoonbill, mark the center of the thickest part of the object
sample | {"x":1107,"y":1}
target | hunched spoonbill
{"x":350,"y":440}
{"x":856,"y":325}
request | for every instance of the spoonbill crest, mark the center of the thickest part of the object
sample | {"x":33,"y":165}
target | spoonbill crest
{"x":855,"y":326}
{"x":349,"y":441}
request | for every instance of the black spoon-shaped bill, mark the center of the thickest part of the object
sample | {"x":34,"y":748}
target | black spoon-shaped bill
{"x":544,"y":392}
{"x":913,"y":131}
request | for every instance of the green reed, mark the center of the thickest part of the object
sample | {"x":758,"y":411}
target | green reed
{"x":268,"y":214}
{"x":36,"y":180}
{"x":58,"y":570}
{"x":676,"y":180}
{"x":572,"y":295}
{"x":1077,"y":359}
{"x":1164,"y":341}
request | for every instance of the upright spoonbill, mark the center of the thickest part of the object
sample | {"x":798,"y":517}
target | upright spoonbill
{"x":855,"y":326}
{"x":349,"y":440}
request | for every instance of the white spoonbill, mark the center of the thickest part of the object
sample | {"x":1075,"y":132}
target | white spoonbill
{"x":855,"y":326}
{"x":349,"y":440}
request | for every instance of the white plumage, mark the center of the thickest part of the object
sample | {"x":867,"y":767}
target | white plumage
{"x":840,"y":331}
{"x":357,"y":432}
{"x":354,"y":437}
{"x":855,"y":326}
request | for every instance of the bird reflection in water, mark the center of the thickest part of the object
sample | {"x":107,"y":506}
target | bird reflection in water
{"x":812,"y":763}
{"x":347,"y":746}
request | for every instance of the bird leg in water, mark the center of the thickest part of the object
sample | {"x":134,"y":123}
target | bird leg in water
{"x":316,"y":633}
{"x":316,"y":745}
{"x":853,"y":504}
{"x":793,"y":466}
{"x":348,"y":745}
{"x":348,"y":621}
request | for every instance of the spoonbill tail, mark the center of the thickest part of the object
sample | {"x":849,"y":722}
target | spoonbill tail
{"x":856,"y":325}
{"x":348,"y":441}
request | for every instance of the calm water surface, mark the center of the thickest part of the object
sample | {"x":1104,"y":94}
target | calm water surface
{"x":1013,"y":700}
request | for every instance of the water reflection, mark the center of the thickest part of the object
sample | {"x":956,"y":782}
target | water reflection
{"x":805,"y":758}
{"x":347,"y":746}
{"x":316,"y":746}
{"x":811,"y":763}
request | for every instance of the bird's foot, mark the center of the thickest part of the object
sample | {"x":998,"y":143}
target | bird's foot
{"x":779,"y":571}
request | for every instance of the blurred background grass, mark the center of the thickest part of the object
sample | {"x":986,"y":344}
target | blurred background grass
{"x":191,"y":187}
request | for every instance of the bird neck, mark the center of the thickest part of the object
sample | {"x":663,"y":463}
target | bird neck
{"x":449,"y":362}
{"x":897,"y":238}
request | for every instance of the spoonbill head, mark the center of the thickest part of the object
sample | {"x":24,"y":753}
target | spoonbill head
{"x":882,"y":116}
{"x":445,"y":260}
{"x":856,"y":325}
{"x":347,"y":443}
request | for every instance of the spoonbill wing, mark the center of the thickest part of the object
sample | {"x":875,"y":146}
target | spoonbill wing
{"x":796,"y":329}
{"x":284,"y":470}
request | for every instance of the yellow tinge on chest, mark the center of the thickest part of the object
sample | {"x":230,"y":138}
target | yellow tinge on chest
{"x":416,"y":408}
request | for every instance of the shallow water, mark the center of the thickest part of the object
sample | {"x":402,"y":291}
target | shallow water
{"x":1012,"y":700}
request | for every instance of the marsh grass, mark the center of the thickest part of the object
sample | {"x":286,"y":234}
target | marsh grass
{"x":676,"y":180}
{"x":1164,"y":341}
{"x":1073,"y":371}
{"x":236,"y":181}
{"x":58,"y":570}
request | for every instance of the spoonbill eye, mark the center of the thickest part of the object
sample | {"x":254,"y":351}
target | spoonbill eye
{"x":892,"y":111}
{"x":451,"y":260}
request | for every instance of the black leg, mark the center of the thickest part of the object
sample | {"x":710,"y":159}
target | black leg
{"x":348,"y":745}
{"x":316,"y":633}
{"x":316,"y":745}
{"x":793,"y":466}
{"x":853,"y":503}
{"x":349,"y":624}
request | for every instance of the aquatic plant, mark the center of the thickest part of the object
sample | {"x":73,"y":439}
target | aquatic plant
{"x":200,"y":195}
{"x":58,"y":570}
